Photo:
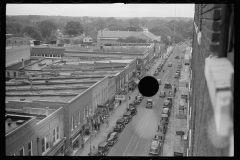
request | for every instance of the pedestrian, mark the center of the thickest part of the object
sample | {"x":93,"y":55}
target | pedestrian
{"x":99,"y":126}
{"x":120,"y":102}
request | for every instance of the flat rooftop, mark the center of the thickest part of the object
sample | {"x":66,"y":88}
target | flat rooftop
{"x":13,"y":122}
{"x":61,"y":80}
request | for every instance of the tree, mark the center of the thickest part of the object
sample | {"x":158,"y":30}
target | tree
{"x":46,"y":28}
{"x":100,"y":24}
{"x":13,"y":27}
{"x":32,"y":32}
{"x":73,"y":28}
{"x":134,"y":22}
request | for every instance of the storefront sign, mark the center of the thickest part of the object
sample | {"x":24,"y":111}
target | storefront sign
{"x":120,"y":97}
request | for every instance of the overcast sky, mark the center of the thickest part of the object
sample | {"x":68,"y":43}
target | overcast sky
{"x":103,"y":10}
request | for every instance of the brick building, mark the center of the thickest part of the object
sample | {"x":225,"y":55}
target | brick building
{"x":211,"y":96}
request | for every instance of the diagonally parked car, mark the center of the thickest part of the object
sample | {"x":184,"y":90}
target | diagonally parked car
{"x":112,"y":138}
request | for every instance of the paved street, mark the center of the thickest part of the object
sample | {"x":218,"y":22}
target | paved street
{"x":136,"y":138}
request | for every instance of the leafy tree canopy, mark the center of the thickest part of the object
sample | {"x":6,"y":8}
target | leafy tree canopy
{"x":73,"y":28}
{"x":46,"y":28}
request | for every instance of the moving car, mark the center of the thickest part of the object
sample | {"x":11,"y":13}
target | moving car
{"x":156,"y":73}
{"x":167,"y":85}
{"x":159,"y":81}
{"x":176,"y":75}
{"x":155,"y":148}
{"x":170,"y":64}
{"x":103,"y":148}
{"x":177,"y":57}
{"x":162,"y":94}
{"x":112,"y":138}
{"x":149,"y":103}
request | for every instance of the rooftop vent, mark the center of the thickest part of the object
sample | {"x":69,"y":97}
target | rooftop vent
{"x":20,"y":121}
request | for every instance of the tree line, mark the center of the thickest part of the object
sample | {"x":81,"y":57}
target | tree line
{"x":45,"y":28}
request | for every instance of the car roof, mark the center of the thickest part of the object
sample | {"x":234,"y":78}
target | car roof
{"x":150,"y":100}
{"x":119,"y":120}
{"x":167,"y":83}
{"x":154,"y":143}
{"x":164,"y":115}
{"x":166,"y":101}
{"x":102,"y":144}
{"x":113,"y":133}
{"x":165,"y":109}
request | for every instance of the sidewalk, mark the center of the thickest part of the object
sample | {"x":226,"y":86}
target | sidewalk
{"x":104,"y":130}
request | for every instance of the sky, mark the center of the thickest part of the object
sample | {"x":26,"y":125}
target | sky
{"x":103,"y":10}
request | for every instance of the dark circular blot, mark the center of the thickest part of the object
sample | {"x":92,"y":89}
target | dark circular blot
{"x":16,"y":158}
{"x":148,"y":86}
{"x":46,"y":158}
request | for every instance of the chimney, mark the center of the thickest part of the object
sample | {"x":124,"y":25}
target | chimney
{"x":47,"y":111}
{"x":22,"y":63}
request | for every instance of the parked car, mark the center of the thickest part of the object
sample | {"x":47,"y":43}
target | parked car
{"x":155,"y":148}
{"x":166,"y":104}
{"x":159,"y":136}
{"x":170,"y":99}
{"x":162,"y":128}
{"x":166,"y":111}
{"x":133,"y":111}
{"x":103,"y":148}
{"x":176,"y":75}
{"x":149,"y":103}
{"x":162,"y":94}
{"x":177,"y":57}
{"x":128,"y":116}
{"x":170,"y":93}
{"x":159,"y":81}
{"x":112,"y":138}
{"x":156,"y":73}
{"x":119,"y":127}
{"x":167,"y":85}
{"x":164,"y":118}
{"x":170,"y":64}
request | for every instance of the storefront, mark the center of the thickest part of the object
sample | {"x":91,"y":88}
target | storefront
{"x":111,"y":101}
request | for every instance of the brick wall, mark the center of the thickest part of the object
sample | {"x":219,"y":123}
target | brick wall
{"x":208,"y":21}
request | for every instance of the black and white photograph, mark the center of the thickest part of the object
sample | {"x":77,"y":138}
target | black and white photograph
{"x":115,"y":79}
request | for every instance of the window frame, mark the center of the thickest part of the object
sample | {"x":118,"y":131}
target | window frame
{"x":75,"y":118}
{"x":46,"y":143}
{"x":72,"y":123}
{"x":79,"y":117}
{"x":56,"y":136}
{"x":20,"y":152}
{"x":30,"y":149}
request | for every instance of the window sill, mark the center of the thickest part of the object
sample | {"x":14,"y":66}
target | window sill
{"x":46,"y":151}
{"x":56,"y":142}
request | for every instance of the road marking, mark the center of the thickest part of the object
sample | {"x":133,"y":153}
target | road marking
{"x":140,"y":136}
{"x":135,"y":132}
{"x":135,"y":139}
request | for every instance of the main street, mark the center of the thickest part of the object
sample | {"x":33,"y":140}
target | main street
{"x":136,"y":138}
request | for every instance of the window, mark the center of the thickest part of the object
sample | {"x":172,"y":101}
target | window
{"x":21,"y":152}
{"x":8,"y":74}
{"x":56,"y":135}
{"x":30,"y":148}
{"x":45,"y":144}
{"x":75,"y":120}
{"x":72,"y":122}
{"x":84,"y":113}
{"x":87,"y":111}
{"x":14,"y":74}
{"x":79,"y":117}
